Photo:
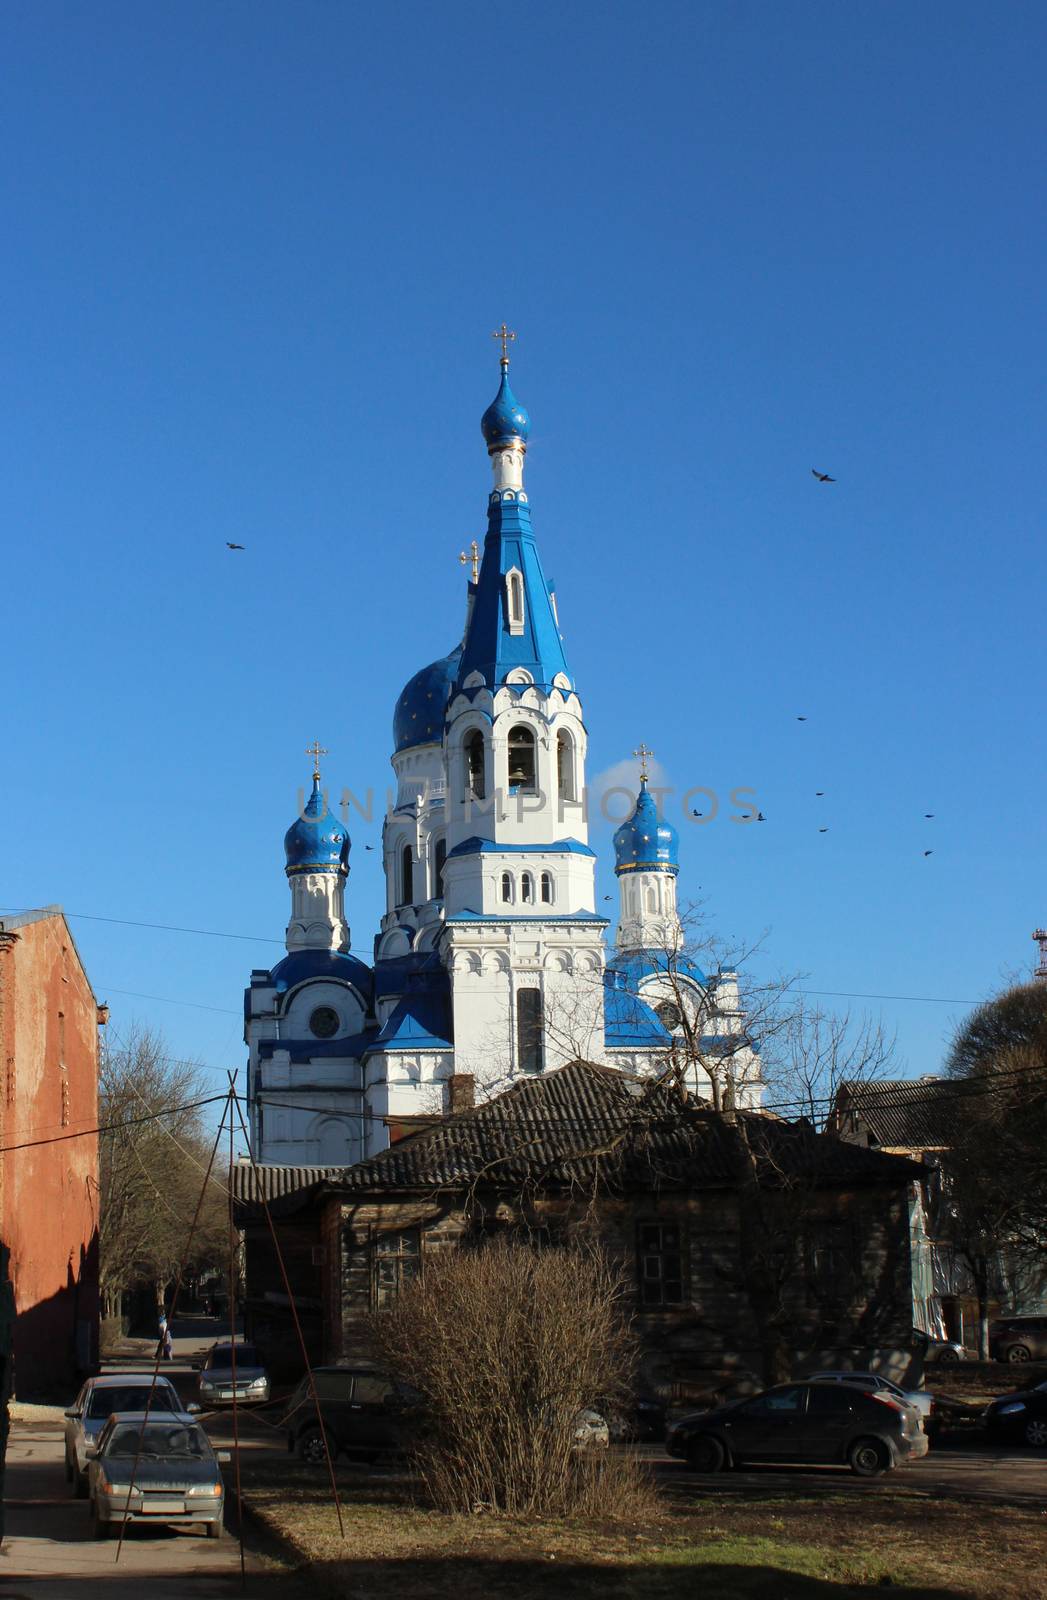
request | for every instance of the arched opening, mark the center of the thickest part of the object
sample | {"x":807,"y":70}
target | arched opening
{"x":507,"y":886}
{"x":565,"y":766}
{"x":474,"y":765}
{"x":439,"y":860}
{"x":522,"y":760}
{"x":514,"y":596}
{"x":529,"y":1030}
{"x":406,"y":876}
{"x":527,"y":889}
{"x":669,"y":1015}
{"x":547,"y":888}
{"x":652,"y":904}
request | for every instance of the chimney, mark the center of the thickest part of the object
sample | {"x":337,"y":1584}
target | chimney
{"x":461,"y":1093}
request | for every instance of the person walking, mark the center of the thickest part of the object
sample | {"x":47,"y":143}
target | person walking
{"x":166,"y":1342}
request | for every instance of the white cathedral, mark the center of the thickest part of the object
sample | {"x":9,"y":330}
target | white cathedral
{"x":491,"y":960}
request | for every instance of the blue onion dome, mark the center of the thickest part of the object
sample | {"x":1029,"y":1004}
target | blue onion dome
{"x":419,"y":714}
{"x":317,"y":841}
{"x":646,"y":843}
{"x":505,"y":418}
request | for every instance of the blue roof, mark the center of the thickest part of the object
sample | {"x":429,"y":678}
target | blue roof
{"x":475,"y":847}
{"x":337,"y":965}
{"x":317,"y":841}
{"x":421,"y":1019}
{"x":635,"y":965}
{"x":647,"y":842}
{"x":489,"y":647}
{"x":629,"y":1023}
{"x":505,"y":418}
{"x":419,"y":714}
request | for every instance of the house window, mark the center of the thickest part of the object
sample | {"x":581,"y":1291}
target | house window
{"x":441,"y":857}
{"x":565,"y":766}
{"x":407,"y":876}
{"x":547,"y":888}
{"x":507,"y":887}
{"x":830,"y":1258}
{"x":474,"y":765}
{"x":396,"y":1258}
{"x":527,"y":889}
{"x":659,"y":1258}
{"x":514,"y":599}
{"x":521,"y":760}
{"x":529,"y":1030}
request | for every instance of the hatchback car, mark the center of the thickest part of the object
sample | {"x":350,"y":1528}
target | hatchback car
{"x":217,"y":1385}
{"x":176,"y":1479}
{"x":1018,"y":1338}
{"x":876,"y":1383}
{"x":95,"y":1404}
{"x":803,"y":1424}
{"x":364,"y":1413}
{"x":1021,"y":1417}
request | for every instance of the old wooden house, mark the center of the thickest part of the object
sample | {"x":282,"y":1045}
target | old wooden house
{"x":750,"y":1244}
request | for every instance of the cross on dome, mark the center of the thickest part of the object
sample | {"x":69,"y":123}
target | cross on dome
{"x":645,"y":756}
{"x":507,"y":336}
{"x":474,"y":558}
{"x":316,"y":750}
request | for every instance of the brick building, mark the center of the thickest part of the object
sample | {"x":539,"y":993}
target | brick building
{"x":49,"y":1191}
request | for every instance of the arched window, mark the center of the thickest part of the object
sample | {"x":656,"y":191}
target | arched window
{"x":547,"y":888}
{"x":514,"y":600}
{"x":529,"y":1030}
{"x":527,"y":889}
{"x":407,"y":877}
{"x":507,"y":886}
{"x":474,"y":764}
{"x":565,"y":766}
{"x":651,"y":902}
{"x":669,"y":1014}
{"x":441,"y":857}
{"x":521,"y":760}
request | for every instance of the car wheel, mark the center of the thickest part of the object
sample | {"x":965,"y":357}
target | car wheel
{"x":311,"y":1447}
{"x":1036,"y":1432}
{"x":867,"y":1458}
{"x":215,"y":1529}
{"x":948,"y":1357}
{"x":1019,"y":1352}
{"x":706,"y":1454}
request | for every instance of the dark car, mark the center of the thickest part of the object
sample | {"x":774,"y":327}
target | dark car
{"x":1018,"y":1338}
{"x":365,"y":1413}
{"x":217,"y":1386}
{"x":802,"y":1423}
{"x":1021,"y":1416}
{"x":156,"y":1469}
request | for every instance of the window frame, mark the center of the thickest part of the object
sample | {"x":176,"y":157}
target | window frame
{"x":525,"y":739}
{"x":530,"y":1030}
{"x":515,"y":602}
{"x":381,"y":1299}
{"x":663,"y":1253}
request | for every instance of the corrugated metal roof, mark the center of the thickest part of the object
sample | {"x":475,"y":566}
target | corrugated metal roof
{"x":901,"y":1113}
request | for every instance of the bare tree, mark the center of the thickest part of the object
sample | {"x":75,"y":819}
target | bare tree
{"x":815,"y":1052}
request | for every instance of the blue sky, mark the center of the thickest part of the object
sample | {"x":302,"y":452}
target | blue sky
{"x":255,"y":252}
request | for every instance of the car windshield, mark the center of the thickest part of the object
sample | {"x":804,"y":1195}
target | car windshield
{"x":132,"y":1397}
{"x":159,"y":1440}
{"x":222,"y":1356}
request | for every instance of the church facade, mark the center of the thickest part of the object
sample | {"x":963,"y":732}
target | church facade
{"x":491,"y":962}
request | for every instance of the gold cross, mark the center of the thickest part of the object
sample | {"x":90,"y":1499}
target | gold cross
{"x":506,"y":336}
{"x":316,"y":750}
{"x":474,"y":557}
{"x":645,"y":756}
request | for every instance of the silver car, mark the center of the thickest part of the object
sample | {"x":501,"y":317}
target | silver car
{"x":216,"y":1379}
{"x":876,"y":1383}
{"x":176,"y":1479}
{"x":95,"y":1404}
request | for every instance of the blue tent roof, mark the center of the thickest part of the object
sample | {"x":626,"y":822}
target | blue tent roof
{"x":489,"y":647}
{"x":421,"y":1019}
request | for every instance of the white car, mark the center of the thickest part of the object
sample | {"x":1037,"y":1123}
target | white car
{"x":876,"y":1383}
{"x":95,"y":1404}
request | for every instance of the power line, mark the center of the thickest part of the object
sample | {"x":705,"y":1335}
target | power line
{"x":111,"y":1127}
{"x":167,"y":1000}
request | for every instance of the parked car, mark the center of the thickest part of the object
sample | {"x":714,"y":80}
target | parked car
{"x":216,"y":1377}
{"x":1021,"y":1416}
{"x":1021,"y":1338}
{"x":177,"y":1477}
{"x":933,"y":1349}
{"x":591,"y":1431}
{"x":365,"y":1413}
{"x":803,"y":1423}
{"x":95,"y":1404}
{"x":876,"y":1383}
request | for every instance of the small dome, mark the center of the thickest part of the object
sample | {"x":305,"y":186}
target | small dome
{"x":419,"y":714}
{"x":505,"y":418}
{"x":317,"y":841}
{"x":646,"y":843}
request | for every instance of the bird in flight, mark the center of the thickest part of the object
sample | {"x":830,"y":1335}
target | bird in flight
{"x":760,"y":817}
{"x":696,"y":813}
{"x":801,"y":719}
{"x":368,"y":846}
{"x":607,"y":897}
{"x":823,"y":830}
{"x":928,"y":816}
{"x":819,"y":794}
{"x":823,"y":477}
{"x":229,"y":545}
{"x":928,"y":852}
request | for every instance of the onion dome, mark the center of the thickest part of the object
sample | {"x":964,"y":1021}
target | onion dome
{"x":317,"y":841}
{"x":647,"y":842}
{"x":505,"y":418}
{"x":419,"y":714}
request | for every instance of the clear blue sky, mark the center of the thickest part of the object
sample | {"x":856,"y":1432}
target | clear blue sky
{"x":254,"y":254}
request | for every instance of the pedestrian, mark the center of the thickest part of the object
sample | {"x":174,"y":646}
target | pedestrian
{"x":166,"y":1342}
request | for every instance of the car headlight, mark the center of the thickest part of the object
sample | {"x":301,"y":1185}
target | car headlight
{"x":1009,"y":1411}
{"x":260,"y":1383}
{"x":211,"y":1490}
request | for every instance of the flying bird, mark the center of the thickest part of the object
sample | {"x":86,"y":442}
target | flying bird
{"x":823,"y":830}
{"x":760,"y":817}
{"x":230,"y":546}
{"x":697,"y":813}
{"x":607,"y":897}
{"x":823,"y":477}
{"x":928,"y":852}
{"x":928,"y":815}
{"x":819,"y":794}
{"x":801,"y":719}
{"x":368,"y":846}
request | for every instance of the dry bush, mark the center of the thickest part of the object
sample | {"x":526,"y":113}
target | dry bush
{"x":506,"y":1343}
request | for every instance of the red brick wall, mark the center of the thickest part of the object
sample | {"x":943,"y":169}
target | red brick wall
{"x":49,"y":1193}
